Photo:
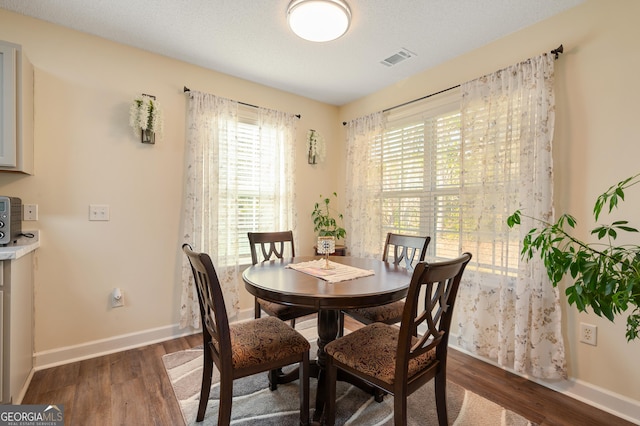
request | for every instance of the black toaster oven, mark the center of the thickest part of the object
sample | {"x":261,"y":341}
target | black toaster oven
{"x":10,"y":219}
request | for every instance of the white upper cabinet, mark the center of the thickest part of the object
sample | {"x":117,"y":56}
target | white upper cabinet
{"x":16,"y":110}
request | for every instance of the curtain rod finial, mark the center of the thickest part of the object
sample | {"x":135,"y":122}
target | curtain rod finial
{"x":557,"y":51}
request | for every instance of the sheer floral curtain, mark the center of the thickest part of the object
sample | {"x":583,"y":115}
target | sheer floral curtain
{"x":510,"y":314}
{"x":279,"y":164}
{"x":215,"y":219}
{"x":363,"y":212}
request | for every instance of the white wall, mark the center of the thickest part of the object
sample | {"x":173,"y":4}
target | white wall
{"x":596,"y":145}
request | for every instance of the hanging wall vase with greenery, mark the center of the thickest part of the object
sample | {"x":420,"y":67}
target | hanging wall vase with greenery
{"x":145,"y":117}
{"x":606,"y":276}
{"x":315,"y":147}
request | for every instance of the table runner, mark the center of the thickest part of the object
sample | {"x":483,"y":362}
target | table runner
{"x":337,"y":273}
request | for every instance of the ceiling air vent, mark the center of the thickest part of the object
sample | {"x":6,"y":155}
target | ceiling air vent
{"x":397,"y":57}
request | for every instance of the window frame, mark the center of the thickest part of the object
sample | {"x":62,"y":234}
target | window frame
{"x":250,"y":174}
{"x":433,"y":206}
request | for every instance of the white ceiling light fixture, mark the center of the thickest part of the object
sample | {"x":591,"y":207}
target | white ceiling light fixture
{"x":319,"y":20}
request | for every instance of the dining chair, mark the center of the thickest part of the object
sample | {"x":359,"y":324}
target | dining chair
{"x":400,"y":360}
{"x":244,"y":348}
{"x":406,"y":251}
{"x":266,"y":246}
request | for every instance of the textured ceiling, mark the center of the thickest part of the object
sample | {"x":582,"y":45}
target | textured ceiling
{"x":250,"y":38}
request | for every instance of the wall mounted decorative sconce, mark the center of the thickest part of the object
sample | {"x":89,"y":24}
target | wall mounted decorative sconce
{"x":145,"y":117}
{"x":315,"y":147}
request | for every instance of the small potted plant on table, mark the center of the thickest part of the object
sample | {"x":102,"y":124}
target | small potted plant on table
{"x":325,"y":224}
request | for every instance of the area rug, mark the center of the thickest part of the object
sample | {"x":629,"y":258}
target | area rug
{"x":255,"y":404}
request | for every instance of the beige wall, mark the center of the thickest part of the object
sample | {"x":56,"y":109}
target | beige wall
{"x":86,"y":153}
{"x":596,"y":142}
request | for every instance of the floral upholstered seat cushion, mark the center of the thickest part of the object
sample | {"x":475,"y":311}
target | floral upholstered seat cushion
{"x":263,"y":340}
{"x":283,"y":311}
{"x":372,"y":350}
{"x":391,"y":312}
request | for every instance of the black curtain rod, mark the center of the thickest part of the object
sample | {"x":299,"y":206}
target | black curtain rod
{"x":556,"y":52}
{"x":186,"y":89}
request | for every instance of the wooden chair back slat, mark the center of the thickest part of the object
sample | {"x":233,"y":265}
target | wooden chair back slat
{"x":212,"y":307}
{"x":428,"y":309}
{"x":272,"y":245}
{"x":408,"y":250}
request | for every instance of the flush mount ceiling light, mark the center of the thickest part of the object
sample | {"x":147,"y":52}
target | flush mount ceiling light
{"x":319,"y":20}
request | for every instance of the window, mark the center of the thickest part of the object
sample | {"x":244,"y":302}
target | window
{"x":252,"y":180}
{"x":238,"y":178}
{"x":422,"y":155}
{"x":454,"y":166}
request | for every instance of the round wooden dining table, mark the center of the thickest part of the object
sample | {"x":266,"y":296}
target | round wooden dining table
{"x":275,"y":282}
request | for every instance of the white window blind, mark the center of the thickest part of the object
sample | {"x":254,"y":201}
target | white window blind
{"x":492,"y":156}
{"x":422,"y":153}
{"x":252,"y":179}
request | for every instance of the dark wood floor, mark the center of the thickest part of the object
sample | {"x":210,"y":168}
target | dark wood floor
{"x":132,"y":388}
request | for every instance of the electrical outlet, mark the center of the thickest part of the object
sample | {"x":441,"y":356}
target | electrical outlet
{"x":30,"y":212}
{"x":99,"y":212}
{"x":588,"y":334}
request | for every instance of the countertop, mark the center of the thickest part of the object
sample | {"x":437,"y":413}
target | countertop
{"x":22,"y":247}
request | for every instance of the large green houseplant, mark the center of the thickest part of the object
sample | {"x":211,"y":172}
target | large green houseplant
{"x":606,"y":276}
{"x":325,"y":222}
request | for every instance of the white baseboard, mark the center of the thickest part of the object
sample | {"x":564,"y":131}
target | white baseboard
{"x":603,"y":399}
{"x":18,"y":399}
{"x":68,"y":354}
